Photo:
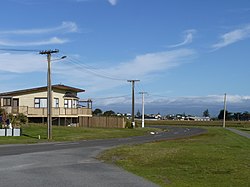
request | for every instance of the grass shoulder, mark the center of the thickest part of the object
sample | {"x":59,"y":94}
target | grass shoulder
{"x":218,"y":158}
{"x":32,"y":132}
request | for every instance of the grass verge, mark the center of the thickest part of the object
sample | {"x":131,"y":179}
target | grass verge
{"x":218,"y":158}
{"x":30,"y":134}
{"x":243,"y":124}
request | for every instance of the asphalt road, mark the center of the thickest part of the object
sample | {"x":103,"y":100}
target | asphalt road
{"x":74,"y":163}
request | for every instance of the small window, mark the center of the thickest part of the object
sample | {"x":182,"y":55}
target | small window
{"x":6,"y":101}
{"x":56,"y":102}
{"x":74,"y":103}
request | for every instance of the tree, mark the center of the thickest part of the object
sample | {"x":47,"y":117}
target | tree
{"x":97,"y":112}
{"x":109,"y":113}
{"x":221,"y":114}
{"x":138,"y":114}
{"x":206,"y":113}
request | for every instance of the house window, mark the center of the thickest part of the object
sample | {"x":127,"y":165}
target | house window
{"x":56,"y":102}
{"x":74,"y":103}
{"x":40,"y":102}
{"x":70,"y":103}
{"x":6,"y":101}
{"x":67,"y":103}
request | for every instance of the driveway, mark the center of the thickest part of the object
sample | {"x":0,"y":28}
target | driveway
{"x":74,"y":163}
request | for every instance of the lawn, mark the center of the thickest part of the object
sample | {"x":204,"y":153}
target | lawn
{"x":218,"y":158}
{"x":243,"y":124}
{"x":30,"y":134}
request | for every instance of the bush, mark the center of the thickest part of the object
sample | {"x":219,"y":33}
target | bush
{"x":22,"y":118}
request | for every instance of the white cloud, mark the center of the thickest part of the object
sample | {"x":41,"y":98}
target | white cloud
{"x":113,"y":2}
{"x":22,"y":63}
{"x":65,"y":27}
{"x":54,"y":40}
{"x":199,"y":100}
{"x":233,"y":37}
{"x":144,"y":67}
{"x":188,"y":38}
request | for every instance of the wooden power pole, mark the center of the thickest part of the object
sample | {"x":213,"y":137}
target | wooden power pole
{"x":133,"y":101}
{"x":49,"y":90}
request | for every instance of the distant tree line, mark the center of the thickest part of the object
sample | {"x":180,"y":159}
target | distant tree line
{"x":99,"y":112}
{"x":234,"y":116}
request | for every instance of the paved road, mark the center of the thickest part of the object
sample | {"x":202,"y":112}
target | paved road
{"x":245,"y":134}
{"x":73,"y":163}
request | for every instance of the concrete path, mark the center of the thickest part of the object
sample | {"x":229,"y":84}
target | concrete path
{"x":74,"y":164}
{"x":242,"y":133}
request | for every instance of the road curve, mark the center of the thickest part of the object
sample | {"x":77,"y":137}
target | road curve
{"x":74,"y":163}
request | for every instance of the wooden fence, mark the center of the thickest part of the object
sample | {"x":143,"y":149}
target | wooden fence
{"x":102,"y":121}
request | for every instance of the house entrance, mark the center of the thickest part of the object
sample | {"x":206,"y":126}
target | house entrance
{"x":15,"y":106}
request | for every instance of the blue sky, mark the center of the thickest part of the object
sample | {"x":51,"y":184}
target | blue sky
{"x":186,"y":54}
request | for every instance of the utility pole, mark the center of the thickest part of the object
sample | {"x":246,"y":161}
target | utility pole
{"x":49,"y":90}
{"x":142,"y":119}
{"x":225,"y":108}
{"x":133,"y":101}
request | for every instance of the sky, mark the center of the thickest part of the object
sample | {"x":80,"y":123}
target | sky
{"x":186,"y":54}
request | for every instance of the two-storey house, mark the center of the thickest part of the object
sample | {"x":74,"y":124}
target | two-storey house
{"x":66,"y":106}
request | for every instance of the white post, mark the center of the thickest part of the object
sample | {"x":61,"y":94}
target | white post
{"x":142,"y":119}
{"x":142,"y":124}
{"x":225,"y":108}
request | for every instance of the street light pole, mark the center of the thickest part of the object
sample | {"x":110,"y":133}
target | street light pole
{"x":49,"y":94}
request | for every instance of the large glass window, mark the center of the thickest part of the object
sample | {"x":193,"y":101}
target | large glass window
{"x":70,"y":103}
{"x":67,"y":103}
{"x":40,"y":102}
{"x":6,"y":101}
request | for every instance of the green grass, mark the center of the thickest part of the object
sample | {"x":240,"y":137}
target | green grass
{"x":31,"y":133}
{"x":243,"y":124}
{"x":218,"y":158}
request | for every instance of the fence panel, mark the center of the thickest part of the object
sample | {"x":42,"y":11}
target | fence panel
{"x":102,"y":122}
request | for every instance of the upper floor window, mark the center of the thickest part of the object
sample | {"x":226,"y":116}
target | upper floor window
{"x":56,"y":102}
{"x":70,"y":103}
{"x":40,"y":102}
{"x":6,"y":101}
{"x":67,"y":103}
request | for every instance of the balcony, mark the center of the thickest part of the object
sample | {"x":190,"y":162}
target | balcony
{"x":56,"y":112}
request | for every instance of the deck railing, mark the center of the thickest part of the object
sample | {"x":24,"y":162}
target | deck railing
{"x":56,"y":112}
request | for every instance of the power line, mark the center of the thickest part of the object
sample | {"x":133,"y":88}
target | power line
{"x":111,"y":97}
{"x":92,"y":69}
{"x":20,"y":50}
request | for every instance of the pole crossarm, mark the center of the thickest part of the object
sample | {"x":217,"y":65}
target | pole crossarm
{"x":46,"y":52}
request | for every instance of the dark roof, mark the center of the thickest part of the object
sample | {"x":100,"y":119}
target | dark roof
{"x":39,"y":89}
